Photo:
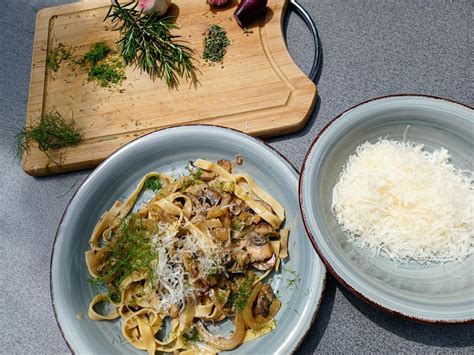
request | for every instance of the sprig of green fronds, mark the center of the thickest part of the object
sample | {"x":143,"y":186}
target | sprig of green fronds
{"x":52,"y":132}
{"x":148,"y":43}
{"x":131,"y":249}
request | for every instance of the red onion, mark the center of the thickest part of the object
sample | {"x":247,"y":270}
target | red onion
{"x":217,"y":2}
{"x":249,"y":10}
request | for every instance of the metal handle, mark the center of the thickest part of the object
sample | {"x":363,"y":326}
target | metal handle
{"x":303,"y":14}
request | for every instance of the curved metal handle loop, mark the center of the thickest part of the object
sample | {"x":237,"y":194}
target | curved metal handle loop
{"x":303,"y":14}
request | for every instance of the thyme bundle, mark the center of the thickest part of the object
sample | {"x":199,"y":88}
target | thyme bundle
{"x":148,"y":43}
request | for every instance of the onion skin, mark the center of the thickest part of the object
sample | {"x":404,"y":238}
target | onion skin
{"x":249,"y":10}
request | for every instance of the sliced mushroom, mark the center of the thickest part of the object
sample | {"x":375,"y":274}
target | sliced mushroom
{"x":225,"y":164}
{"x":258,"y":247}
{"x":238,"y":160}
{"x":208,"y":176}
{"x":265,"y":265}
{"x":208,"y":196}
{"x":267,"y":230}
{"x":264,"y":300}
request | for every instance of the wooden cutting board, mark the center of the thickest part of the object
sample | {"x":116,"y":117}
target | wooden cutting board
{"x":258,"y":89}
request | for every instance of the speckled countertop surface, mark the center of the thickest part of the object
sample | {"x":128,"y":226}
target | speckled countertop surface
{"x":370,"y":48}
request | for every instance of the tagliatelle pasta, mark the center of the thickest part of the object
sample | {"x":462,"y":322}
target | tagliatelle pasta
{"x":198,"y":251}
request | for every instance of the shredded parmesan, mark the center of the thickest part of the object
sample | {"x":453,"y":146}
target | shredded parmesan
{"x":409,"y":204}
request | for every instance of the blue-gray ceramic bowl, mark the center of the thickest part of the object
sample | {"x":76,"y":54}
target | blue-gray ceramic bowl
{"x":169,"y":151}
{"x":437,"y":293}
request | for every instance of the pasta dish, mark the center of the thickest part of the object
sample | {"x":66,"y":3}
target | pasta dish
{"x":196,"y":254}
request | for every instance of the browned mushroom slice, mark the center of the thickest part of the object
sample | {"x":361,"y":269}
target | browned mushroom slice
{"x":208,"y":176}
{"x":265,"y":265}
{"x":208,"y":196}
{"x":258,"y":247}
{"x":193,"y":199}
{"x":266,"y":229}
{"x":238,"y":160}
{"x":264,"y":300}
{"x":225,"y":164}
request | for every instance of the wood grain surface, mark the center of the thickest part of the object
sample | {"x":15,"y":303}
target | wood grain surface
{"x":258,"y":89}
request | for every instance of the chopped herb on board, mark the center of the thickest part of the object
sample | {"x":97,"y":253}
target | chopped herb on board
{"x":215,"y":44}
{"x":56,"y":56}
{"x":102,"y":67}
{"x":107,"y":73}
{"x":98,"y":52}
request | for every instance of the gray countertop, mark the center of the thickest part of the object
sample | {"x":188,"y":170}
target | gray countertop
{"x":370,"y":49}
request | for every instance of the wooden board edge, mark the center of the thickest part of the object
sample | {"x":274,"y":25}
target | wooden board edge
{"x":302,"y":112}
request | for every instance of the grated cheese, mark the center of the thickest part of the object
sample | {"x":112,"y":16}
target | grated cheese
{"x":409,"y":204}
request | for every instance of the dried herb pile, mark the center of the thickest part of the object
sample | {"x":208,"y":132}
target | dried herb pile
{"x":215,"y":44}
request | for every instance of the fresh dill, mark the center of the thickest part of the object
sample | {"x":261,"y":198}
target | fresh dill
{"x":52,"y":132}
{"x":56,"y":56}
{"x":196,"y":175}
{"x":102,"y":67}
{"x":215,"y":44}
{"x":153,"y":183}
{"x":294,"y":280}
{"x":98,"y":52}
{"x":147,"y":42}
{"x":240,"y":297}
{"x":130,"y":250}
{"x":107,"y":73}
{"x":192,"y":336}
{"x":237,"y":227}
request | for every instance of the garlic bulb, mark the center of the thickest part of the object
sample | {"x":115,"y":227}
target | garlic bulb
{"x":151,"y":6}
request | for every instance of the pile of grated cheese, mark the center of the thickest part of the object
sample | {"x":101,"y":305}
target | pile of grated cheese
{"x":409,"y":204}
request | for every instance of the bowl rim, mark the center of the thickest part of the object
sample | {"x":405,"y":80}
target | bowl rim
{"x":313,"y":239}
{"x":117,"y":152}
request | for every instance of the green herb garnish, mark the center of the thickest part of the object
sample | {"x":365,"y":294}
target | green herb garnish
{"x":98,"y":52}
{"x":107,"y":73}
{"x":294,"y":281}
{"x":192,"y":336}
{"x":56,"y":56}
{"x":131,"y":249}
{"x":153,"y":183}
{"x":240,"y":297}
{"x":237,"y":227}
{"x":148,"y":43}
{"x":196,"y":175}
{"x":215,"y":44}
{"x":52,"y":132}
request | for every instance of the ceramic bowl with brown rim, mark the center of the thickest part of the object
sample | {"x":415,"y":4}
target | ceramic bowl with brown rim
{"x":299,"y":285}
{"x":437,"y":293}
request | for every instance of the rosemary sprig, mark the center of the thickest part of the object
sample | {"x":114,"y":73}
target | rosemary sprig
{"x":148,"y":43}
{"x":52,"y":132}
